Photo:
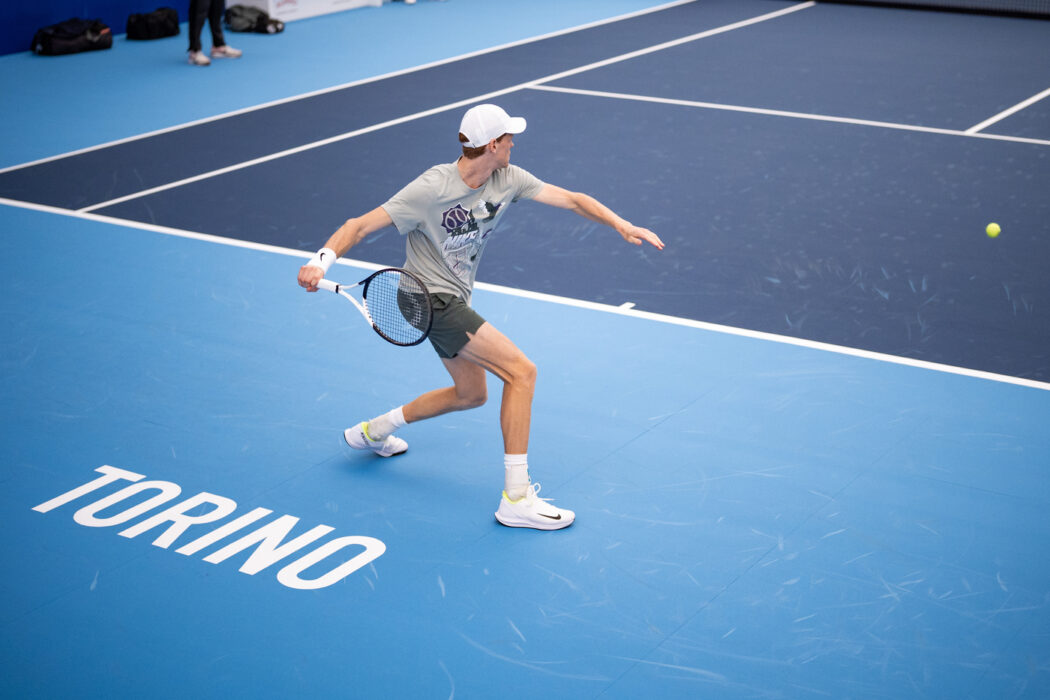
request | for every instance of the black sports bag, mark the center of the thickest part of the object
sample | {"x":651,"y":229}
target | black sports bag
{"x":240,"y":18}
{"x":72,"y":36}
{"x":162,"y":22}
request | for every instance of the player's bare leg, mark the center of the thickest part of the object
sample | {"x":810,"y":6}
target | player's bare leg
{"x":489,"y":350}
{"x":493,"y":351}
{"x":468,"y":391}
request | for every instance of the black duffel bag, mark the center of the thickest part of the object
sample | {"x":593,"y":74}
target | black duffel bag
{"x":162,"y":22}
{"x":72,"y":36}
{"x":240,"y":18}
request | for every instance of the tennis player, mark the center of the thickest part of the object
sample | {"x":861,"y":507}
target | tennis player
{"x":448,"y":214}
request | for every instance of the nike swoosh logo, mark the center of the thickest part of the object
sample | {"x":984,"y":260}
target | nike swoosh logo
{"x":322,"y":256}
{"x":552,"y":517}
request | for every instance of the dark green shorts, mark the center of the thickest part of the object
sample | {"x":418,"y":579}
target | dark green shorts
{"x":453,"y":320}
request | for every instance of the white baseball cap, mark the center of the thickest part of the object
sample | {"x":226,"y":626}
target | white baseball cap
{"x":484,"y":123}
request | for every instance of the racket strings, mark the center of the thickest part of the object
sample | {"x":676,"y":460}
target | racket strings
{"x":399,"y":306}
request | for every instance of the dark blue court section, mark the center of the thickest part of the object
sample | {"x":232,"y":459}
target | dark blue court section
{"x":943,"y":70}
{"x":858,"y":236}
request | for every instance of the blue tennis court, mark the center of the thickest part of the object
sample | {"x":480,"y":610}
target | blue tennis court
{"x":806,"y":442}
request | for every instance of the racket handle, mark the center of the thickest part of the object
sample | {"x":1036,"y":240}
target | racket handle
{"x":328,"y":285}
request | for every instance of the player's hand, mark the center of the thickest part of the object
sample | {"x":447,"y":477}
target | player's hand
{"x":637,"y":235}
{"x":309,"y":276}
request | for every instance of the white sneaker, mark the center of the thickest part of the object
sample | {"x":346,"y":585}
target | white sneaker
{"x":533,"y":511}
{"x":199,"y":59}
{"x":357,"y":439}
{"x":225,"y":52}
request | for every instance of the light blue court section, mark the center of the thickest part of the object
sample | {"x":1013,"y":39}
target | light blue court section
{"x":754,"y":519}
{"x":54,"y":105}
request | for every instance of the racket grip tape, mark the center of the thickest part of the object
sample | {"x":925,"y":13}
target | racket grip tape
{"x":328,"y":285}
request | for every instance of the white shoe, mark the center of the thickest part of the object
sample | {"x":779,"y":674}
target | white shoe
{"x":357,"y":438}
{"x":533,"y":511}
{"x":199,"y":59}
{"x":225,"y":52}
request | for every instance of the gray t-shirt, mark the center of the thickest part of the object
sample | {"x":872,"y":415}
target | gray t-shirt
{"x":448,"y":224}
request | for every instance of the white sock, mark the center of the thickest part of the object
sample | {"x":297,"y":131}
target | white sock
{"x":516,"y":476}
{"x":381,"y":426}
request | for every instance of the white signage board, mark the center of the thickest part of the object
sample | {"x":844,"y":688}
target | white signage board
{"x":288,"y":10}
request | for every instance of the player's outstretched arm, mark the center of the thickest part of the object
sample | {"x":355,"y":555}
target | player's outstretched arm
{"x":346,"y":237}
{"x":590,"y":208}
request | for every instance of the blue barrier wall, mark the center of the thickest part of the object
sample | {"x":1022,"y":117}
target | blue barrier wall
{"x":20,"y":20}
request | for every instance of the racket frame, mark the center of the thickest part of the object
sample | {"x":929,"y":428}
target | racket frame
{"x":362,"y":306}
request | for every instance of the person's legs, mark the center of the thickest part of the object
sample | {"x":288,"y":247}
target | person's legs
{"x":469,"y":390}
{"x":219,"y":49}
{"x":454,"y":324}
{"x":486,"y":350}
{"x":198,"y":13}
{"x":490,"y":350}
{"x":215,"y":12}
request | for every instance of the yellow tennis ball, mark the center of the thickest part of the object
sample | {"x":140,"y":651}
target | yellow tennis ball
{"x":992,"y":230}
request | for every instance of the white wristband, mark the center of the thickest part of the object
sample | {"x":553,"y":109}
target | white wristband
{"x":323,"y":259}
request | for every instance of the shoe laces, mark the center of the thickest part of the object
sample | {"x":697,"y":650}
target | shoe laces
{"x":533,"y":493}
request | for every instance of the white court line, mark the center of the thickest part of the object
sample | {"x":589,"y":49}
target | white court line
{"x":792,"y":115}
{"x":452,"y":105}
{"x":343,"y":86}
{"x":292,"y":151}
{"x":553,"y":299}
{"x":1007,"y":112}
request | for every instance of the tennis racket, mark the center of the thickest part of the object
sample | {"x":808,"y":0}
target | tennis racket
{"x":395,"y":303}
